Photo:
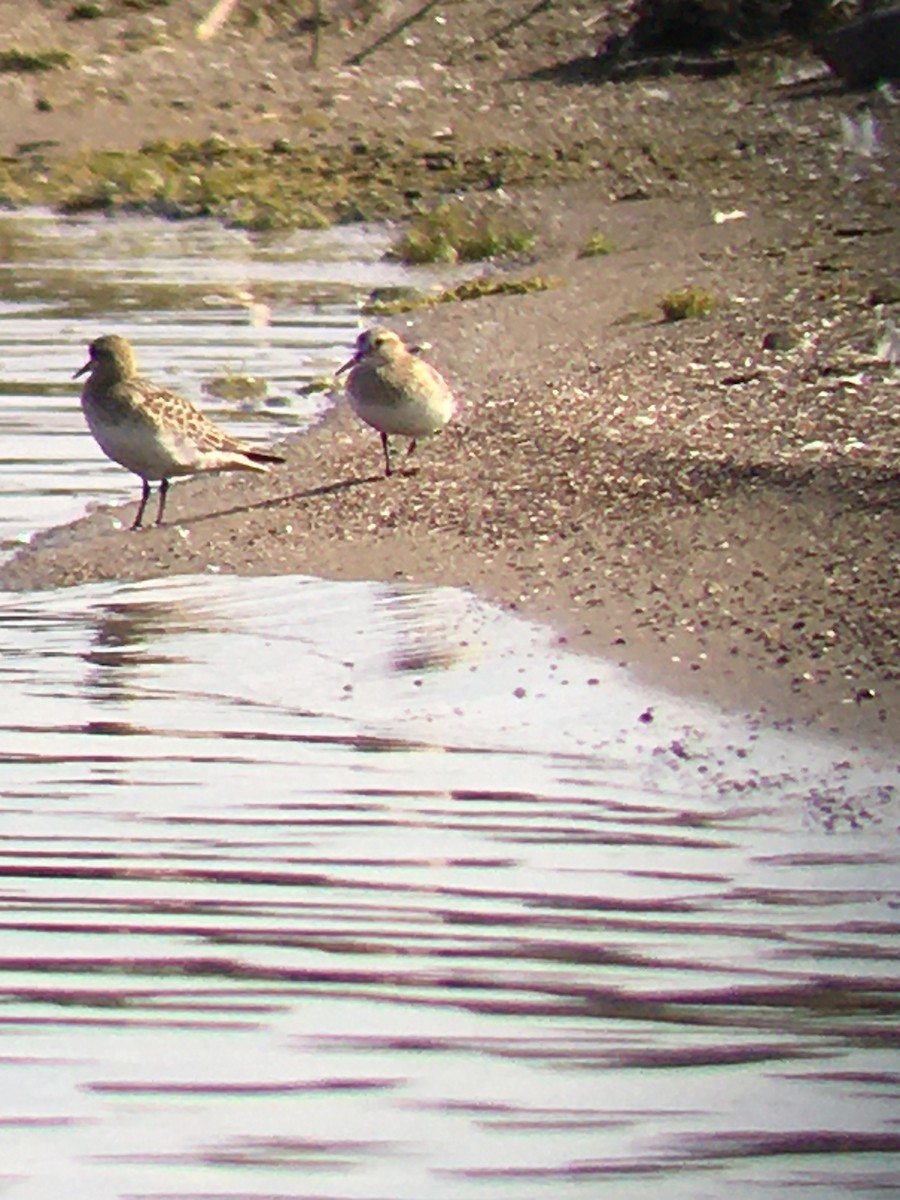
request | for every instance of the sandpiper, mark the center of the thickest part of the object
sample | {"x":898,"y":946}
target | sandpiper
{"x":395,"y":391}
{"x":154,"y":432}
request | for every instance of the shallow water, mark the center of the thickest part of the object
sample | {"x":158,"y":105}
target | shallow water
{"x":342,"y":890}
{"x":198,"y":301}
{"x":348,"y":890}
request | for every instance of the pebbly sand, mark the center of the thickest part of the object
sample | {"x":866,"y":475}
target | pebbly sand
{"x":720,"y":516}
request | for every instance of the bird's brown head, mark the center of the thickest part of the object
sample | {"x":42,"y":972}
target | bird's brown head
{"x":377,"y":346}
{"x":111,"y":359}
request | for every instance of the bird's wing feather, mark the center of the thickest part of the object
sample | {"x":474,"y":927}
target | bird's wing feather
{"x":164,"y":407}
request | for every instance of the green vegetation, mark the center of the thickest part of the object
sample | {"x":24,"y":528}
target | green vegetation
{"x":312,"y":184}
{"x":454,"y":232}
{"x":319,"y":383}
{"x":317,"y":178}
{"x":235,"y":388}
{"x":686,"y":302}
{"x":32,"y":61}
{"x":484,"y":285}
{"x":85,"y":12}
{"x":597,"y":244}
{"x":469,"y":289}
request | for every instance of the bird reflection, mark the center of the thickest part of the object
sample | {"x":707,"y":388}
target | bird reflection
{"x":426,"y":625}
{"x":127,"y":638}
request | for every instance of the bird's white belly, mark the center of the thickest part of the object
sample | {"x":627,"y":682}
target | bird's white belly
{"x":408,"y":418}
{"x":152,"y":454}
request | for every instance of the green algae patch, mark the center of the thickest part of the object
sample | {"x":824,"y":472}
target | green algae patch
{"x":460,"y":232}
{"x":85,"y":12}
{"x":686,"y":302}
{"x":31,"y":62}
{"x":597,"y":244}
{"x":317,"y":385}
{"x":388,"y":308}
{"x":469,"y":289}
{"x":318,"y":180}
{"x":235,"y":388}
{"x":486,"y":285}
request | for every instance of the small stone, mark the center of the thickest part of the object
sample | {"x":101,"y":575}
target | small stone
{"x":779,"y":339}
{"x":886,"y":292}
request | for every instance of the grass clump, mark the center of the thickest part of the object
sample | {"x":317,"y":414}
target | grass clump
{"x":469,"y":289}
{"x":382,"y":301}
{"x":686,"y":302}
{"x":30,"y":62}
{"x":453,"y":233}
{"x":85,"y":12}
{"x":316,"y":385}
{"x":484,"y":285}
{"x":597,"y":244}
{"x":235,"y":388}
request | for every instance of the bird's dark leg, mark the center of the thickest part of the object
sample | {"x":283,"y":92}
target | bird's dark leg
{"x":145,"y":496}
{"x":163,"y":492}
{"x":387,"y":455}
{"x":411,"y":448}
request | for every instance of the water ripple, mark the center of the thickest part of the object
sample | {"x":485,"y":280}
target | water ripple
{"x":371,"y":891}
{"x":378,"y":930}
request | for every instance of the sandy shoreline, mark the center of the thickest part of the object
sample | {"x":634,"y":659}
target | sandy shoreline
{"x":718,"y":515}
{"x":688,"y":625}
{"x":764,"y":582}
